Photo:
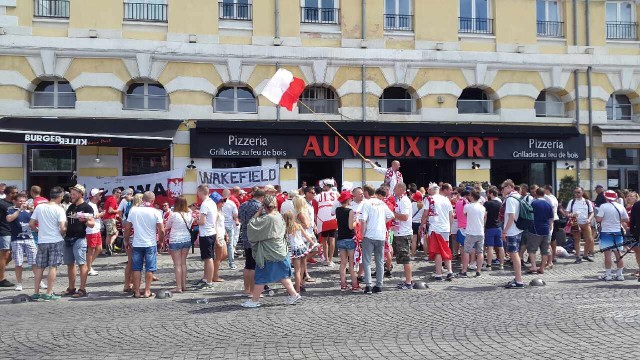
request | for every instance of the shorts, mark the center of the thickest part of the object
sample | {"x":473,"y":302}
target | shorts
{"x":523,"y":238}
{"x":75,"y":252}
{"x":608,"y":239}
{"x":416,"y":228}
{"x":474,"y":242}
{"x":146,"y":255}
{"x":5,"y":242}
{"x":513,"y":243}
{"x":50,"y":254}
{"x":535,"y":242}
{"x":493,"y":237}
{"x":402,"y":249}
{"x":346,"y":244}
{"x":177,"y":246}
{"x":454,"y":226}
{"x":249,"y":261}
{"x":22,"y":248}
{"x":94,"y":240}
{"x":206,"y":247}
{"x":460,"y":235}
{"x":110,"y":227}
{"x":328,"y":234}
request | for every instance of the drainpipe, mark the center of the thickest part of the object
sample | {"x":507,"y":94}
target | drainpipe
{"x":576,"y":84}
{"x":589,"y":104}
{"x":277,"y":19}
{"x":364,"y":20}
{"x":587,"y":16}
{"x":364,"y":104}
{"x":575,"y":23}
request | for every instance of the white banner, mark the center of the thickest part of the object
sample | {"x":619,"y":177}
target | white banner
{"x":245,"y":178}
{"x":167,"y":185}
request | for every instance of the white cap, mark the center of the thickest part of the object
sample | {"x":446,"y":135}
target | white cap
{"x":347,"y":185}
{"x":95,"y":192}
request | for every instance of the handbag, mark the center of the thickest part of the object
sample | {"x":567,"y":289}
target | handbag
{"x":192,"y":232}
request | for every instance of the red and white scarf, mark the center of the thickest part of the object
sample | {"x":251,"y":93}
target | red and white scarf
{"x":388,"y":177}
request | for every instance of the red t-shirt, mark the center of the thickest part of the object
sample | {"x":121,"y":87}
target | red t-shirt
{"x":280,"y":199}
{"x":110,"y":203}
{"x":39,"y":200}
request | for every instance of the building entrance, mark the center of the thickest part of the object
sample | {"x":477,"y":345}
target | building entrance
{"x":312,"y":171}
{"x":529,"y":172}
{"x":423,"y":171}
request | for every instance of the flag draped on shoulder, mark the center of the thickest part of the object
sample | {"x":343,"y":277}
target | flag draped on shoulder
{"x":284,"y":89}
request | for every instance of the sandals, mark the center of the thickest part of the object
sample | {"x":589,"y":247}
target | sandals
{"x":69,"y":292}
{"x":343,"y":287}
{"x":81,"y":293}
{"x":532,"y":272}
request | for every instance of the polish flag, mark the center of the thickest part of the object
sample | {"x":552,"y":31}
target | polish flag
{"x":283,"y":89}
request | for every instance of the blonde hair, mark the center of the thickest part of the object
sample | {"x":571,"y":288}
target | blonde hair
{"x":290,"y":221}
{"x":137,"y":200}
{"x":300,"y":204}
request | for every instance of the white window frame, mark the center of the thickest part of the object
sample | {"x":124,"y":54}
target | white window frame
{"x":336,"y":6}
{"x":325,"y":90}
{"x":473,"y":9}
{"x":474,"y":28}
{"x":56,"y":95}
{"x":145,"y":97}
{"x":619,"y":12}
{"x":615,"y":104}
{"x":546,"y":10}
{"x":235,"y":100}
{"x":397,"y":15}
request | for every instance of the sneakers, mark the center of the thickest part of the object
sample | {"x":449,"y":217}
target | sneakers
{"x":6,"y":283}
{"x":290,"y":300}
{"x":233,"y":267}
{"x":92,"y":273}
{"x":450,"y":277}
{"x":312,"y":261}
{"x":331,"y":264}
{"x":43,"y":286}
{"x":35,"y":297}
{"x":588,"y":258}
{"x":514,"y":285}
{"x":578,"y":260}
{"x":50,"y":297}
{"x":204,"y":286}
{"x":501,"y":267}
{"x":495,"y":262}
{"x":197,"y":283}
{"x":472,"y":266}
{"x":404,"y":286}
{"x":605,"y":277}
{"x":437,"y":278}
{"x":462,"y":275}
{"x":367,"y":290}
{"x":619,"y":278}
{"x":19,"y":287}
{"x":250,"y":304}
{"x":486,"y":267}
{"x":478,"y":274}
{"x":376,"y":289}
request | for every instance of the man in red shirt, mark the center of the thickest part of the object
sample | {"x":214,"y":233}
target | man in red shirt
{"x":110,"y":217}
{"x":35,"y":196}
{"x":235,"y":196}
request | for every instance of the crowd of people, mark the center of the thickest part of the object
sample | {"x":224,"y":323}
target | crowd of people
{"x":281,"y":233}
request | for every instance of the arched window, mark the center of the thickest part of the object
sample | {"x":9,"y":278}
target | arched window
{"x":57,"y":94}
{"x":320,"y":99}
{"x":474,"y":101}
{"x":397,"y":100}
{"x":146,"y":96}
{"x":549,"y":105}
{"x":235,"y":99}
{"x":619,"y":108}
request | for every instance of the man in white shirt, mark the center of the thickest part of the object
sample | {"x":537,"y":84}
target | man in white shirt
{"x":581,"y":210}
{"x":326,"y":219}
{"x":613,"y":218}
{"x":439,"y":213}
{"x":392,"y":175}
{"x":50,"y":221}
{"x":511,"y":234}
{"x":207,"y":228}
{"x":474,"y":239}
{"x":402,"y":234}
{"x":230,"y":212}
{"x":149,"y":232}
{"x":373,"y":219}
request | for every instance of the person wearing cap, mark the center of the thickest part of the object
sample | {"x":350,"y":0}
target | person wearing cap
{"x":613,"y":219}
{"x":346,"y":244}
{"x":392,"y":175}
{"x":94,"y":238}
{"x":326,"y":221}
{"x":600,"y":198}
{"x":79,"y":218}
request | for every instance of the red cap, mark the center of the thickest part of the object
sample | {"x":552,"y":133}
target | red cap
{"x":344,"y":196}
{"x":417,"y":196}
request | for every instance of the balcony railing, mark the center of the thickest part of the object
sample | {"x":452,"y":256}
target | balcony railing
{"x":550,"y":28}
{"x":52,"y":9}
{"x":549,"y":109}
{"x":233,"y":11}
{"x":475,"y":25}
{"x":316,"y":15}
{"x":475,"y":106}
{"x":397,"y":106}
{"x":620,"y":112}
{"x":618,"y":30}
{"x":145,"y":12}
{"x":319,"y":106}
{"x":398,"y":22}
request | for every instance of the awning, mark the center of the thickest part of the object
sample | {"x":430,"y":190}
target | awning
{"x":137,"y":133}
{"x":617,"y":134}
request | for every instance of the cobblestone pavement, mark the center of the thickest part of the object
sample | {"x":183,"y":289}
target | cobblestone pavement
{"x":574,"y":316}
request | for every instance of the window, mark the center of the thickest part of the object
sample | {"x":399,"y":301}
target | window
{"x":145,"y":161}
{"x":397,"y":100}
{"x":474,"y":17}
{"x":623,"y":157}
{"x":319,"y":11}
{"x":474,"y":101}
{"x":145,"y":10}
{"x":235,"y":10}
{"x":235,"y":99}
{"x":549,"y":105}
{"x":56,"y":94}
{"x":320,"y":99}
{"x":619,"y":108}
{"x":548,"y":18}
{"x":398,"y":15}
{"x":146,"y":96}
{"x":621,"y":23}
{"x":52,"y":160}
{"x":52,"y":8}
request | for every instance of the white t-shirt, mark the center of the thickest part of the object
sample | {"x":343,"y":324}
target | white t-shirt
{"x":417,"y":218}
{"x":220,"y":230}
{"x":144,"y":219}
{"x":475,"y":218}
{"x":581,"y":208}
{"x":553,"y":201}
{"x":403,"y":228}
{"x":376,"y":213}
{"x":229,"y":210}
{"x":210,"y":210}
{"x":357,"y":207}
{"x":326,"y":215}
{"x":49,"y":218}
{"x":512,"y":206}
{"x":611,"y":215}
{"x":286,"y":207}
{"x":443,"y":209}
{"x":179,"y":232}
{"x":98,"y":223}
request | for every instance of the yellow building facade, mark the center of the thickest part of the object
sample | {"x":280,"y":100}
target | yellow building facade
{"x":553,"y":85}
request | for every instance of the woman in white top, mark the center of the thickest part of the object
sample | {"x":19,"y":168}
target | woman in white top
{"x":180,"y":222}
{"x":304,"y":215}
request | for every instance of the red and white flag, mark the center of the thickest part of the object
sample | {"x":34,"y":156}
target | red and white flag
{"x":284,"y":89}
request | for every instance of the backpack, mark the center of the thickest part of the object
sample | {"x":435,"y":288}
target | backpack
{"x":525,"y":215}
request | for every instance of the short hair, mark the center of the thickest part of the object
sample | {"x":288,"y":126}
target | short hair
{"x":148,"y":196}
{"x":549,"y":188}
{"x":203,"y":188}
{"x":226,"y":192}
{"x":277,"y":187}
{"x":539,"y":192}
{"x":259,"y":193}
{"x":380,"y":191}
{"x":412,"y":187}
{"x":493,"y":191}
{"x":180,"y":205}
{"x":309,"y":189}
{"x":9,"y":189}
{"x":446,"y":186}
{"x":357,"y":188}
{"x":56,"y":192}
{"x":401,"y":185}
{"x":115,"y":190}
{"x":524,"y":186}
{"x":508,"y":182}
{"x":21,"y":195}
{"x":517,"y":188}
{"x":369,"y":190}
{"x":475,"y":195}
{"x":35,"y":189}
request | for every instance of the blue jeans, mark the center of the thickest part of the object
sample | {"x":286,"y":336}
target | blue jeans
{"x":146,"y":255}
{"x":230,"y":245}
{"x":376,"y":247}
